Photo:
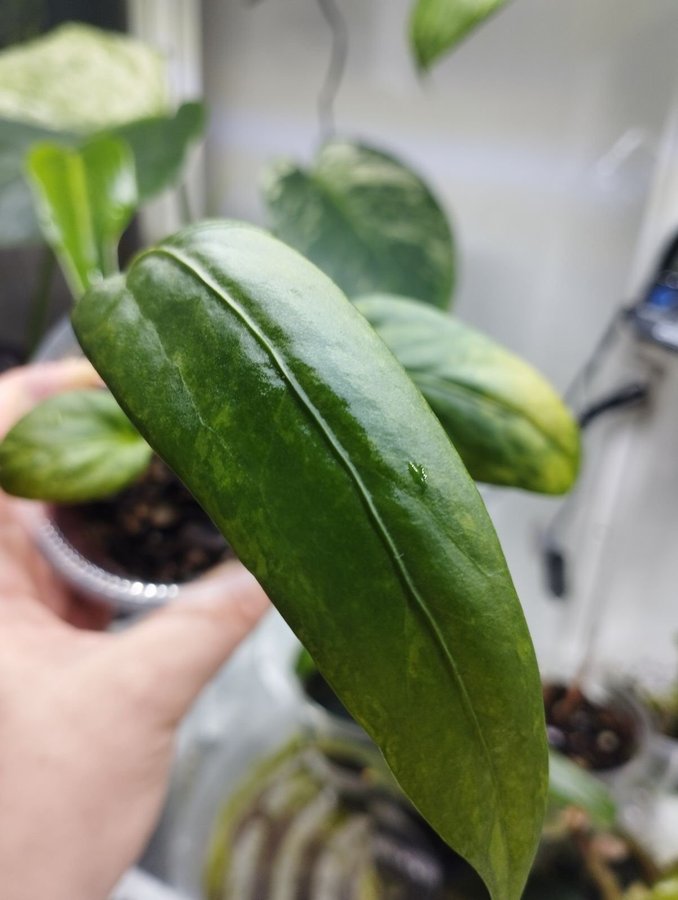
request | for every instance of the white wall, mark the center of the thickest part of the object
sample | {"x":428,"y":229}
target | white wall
{"x":540,"y":134}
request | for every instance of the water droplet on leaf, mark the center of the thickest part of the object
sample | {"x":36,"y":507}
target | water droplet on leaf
{"x":418,"y":473}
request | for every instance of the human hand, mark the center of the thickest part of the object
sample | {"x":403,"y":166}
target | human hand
{"x":87,"y":719}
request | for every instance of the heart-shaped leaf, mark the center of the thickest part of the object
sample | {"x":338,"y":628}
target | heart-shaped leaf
{"x":367,"y":220}
{"x":505,"y":420}
{"x":73,"y":447}
{"x":436,"y":26}
{"x":309,"y":446}
{"x":85,"y":199}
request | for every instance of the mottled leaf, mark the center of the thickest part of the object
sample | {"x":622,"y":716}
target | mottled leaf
{"x":72,"y":447}
{"x":79,"y":78}
{"x":309,"y":446}
{"x":367,"y":220}
{"x":505,"y":420}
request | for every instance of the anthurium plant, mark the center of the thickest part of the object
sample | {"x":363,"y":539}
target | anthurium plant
{"x":273,"y":398}
{"x":324,"y":459}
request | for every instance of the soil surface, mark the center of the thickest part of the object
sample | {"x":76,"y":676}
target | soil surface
{"x":153,"y":530}
{"x":596,"y":736}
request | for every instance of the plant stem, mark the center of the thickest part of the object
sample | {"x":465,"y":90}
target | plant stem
{"x":184,"y":204}
{"x":335,"y":70}
{"x":37,"y":318}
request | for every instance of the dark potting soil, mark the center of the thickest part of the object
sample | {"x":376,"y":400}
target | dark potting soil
{"x":596,"y":736}
{"x":153,"y":530}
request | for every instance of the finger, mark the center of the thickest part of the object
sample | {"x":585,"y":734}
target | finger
{"x":169,"y":657}
{"x":25,"y":386}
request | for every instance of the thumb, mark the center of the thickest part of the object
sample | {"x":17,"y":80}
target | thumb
{"x":174,"y":652}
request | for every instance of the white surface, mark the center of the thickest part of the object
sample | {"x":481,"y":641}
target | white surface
{"x":137,"y":885}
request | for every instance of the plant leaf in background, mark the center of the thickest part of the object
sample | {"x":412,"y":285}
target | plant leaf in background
{"x":81,"y":79}
{"x":72,"y":447}
{"x":571,"y":785}
{"x":436,"y":26}
{"x":37,"y":104}
{"x":161,"y":144}
{"x":309,"y":446}
{"x":665,"y":890}
{"x":85,"y":200}
{"x":505,"y":420}
{"x":18,"y":223}
{"x":366,"y":220}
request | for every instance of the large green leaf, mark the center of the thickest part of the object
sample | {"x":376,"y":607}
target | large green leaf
{"x":307,"y":443}
{"x":85,"y":200}
{"x":79,"y":78}
{"x":506,"y":421}
{"x":367,"y":220}
{"x":72,"y":447}
{"x":436,"y":26}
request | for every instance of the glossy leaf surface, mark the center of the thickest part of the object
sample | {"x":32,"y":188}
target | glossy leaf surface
{"x":436,"y":26}
{"x":367,"y":220}
{"x":85,"y":199}
{"x":506,"y":421}
{"x":79,"y":78}
{"x":73,"y":447}
{"x":306,"y":442}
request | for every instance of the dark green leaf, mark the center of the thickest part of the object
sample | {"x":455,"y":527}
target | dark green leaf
{"x":367,"y":220}
{"x":85,"y":199}
{"x":309,"y":446}
{"x":570,"y":785}
{"x":436,"y":26}
{"x":507,"y":423}
{"x":72,"y":447}
{"x":161,"y":145}
{"x":79,"y":78}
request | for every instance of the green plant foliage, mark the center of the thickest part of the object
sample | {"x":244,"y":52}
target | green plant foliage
{"x":436,"y":26}
{"x":507,"y":423}
{"x":18,"y":223}
{"x":366,"y":220}
{"x":79,"y":78}
{"x":72,"y":447}
{"x":303,"y":438}
{"x":85,"y":200}
{"x":665,"y":890}
{"x":161,"y":144}
{"x":571,"y":785}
